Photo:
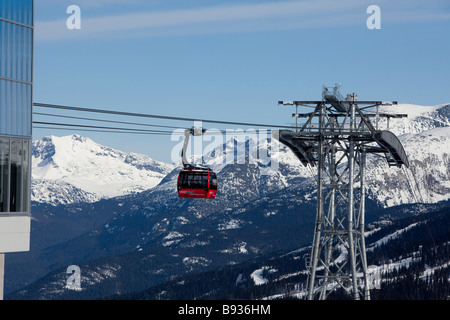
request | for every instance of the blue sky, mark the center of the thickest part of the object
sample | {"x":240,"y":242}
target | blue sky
{"x":233,"y":60}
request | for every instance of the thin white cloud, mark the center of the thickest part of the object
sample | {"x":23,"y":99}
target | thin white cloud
{"x":88,"y":3}
{"x":101,"y":3}
{"x":218,"y":19}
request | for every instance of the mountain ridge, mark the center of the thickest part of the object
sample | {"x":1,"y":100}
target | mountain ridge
{"x":96,"y":172}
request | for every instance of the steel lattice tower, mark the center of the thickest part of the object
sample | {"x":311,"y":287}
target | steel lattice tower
{"x":335,"y":139}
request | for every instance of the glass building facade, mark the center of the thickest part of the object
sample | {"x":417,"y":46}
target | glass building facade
{"x":16,"y":92}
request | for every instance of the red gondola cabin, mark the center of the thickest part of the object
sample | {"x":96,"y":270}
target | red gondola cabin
{"x":197,"y":184}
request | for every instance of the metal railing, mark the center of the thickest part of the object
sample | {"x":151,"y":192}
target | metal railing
{"x":332,"y":91}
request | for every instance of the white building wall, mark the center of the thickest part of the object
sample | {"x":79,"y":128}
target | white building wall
{"x":14,"y":233}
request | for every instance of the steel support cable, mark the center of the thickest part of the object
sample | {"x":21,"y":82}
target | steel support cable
{"x":211,"y":132}
{"x":132,"y":114}
{"x":103,"y":120}
{"x":104,"y":131}
{"x":413,"y":192}
{"x":99,"y":127}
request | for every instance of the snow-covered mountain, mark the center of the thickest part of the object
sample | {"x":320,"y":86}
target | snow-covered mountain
{"x":420,"y":118}
{"x":425,"y":135}
{"x":76,"y":169}
{"x":427,"y":180}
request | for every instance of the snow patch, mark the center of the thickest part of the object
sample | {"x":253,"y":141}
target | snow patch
{"x":257,"y":275}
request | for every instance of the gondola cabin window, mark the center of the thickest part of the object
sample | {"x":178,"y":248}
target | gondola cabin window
{"x":197,"y":184}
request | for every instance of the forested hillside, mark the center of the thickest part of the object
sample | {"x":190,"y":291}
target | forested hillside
{"x":409,"y":258}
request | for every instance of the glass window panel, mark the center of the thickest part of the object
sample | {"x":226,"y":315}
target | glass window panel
{"x":15,"y":108}
{"x":4,"y":173}
{"x":205,"y":180}
{"x":184,"y":180}
{"x":212,"y":181}
{"x":26,"y":185}
{"x":15,"y":192}
{"x":17,"y":10}
{"x":16,"y":51}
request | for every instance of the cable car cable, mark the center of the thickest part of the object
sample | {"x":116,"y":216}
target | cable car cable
{"x":99,"y":127}
{"x":99,"y":130}
{"x":103,"y":120}
{"x":132,"y":114}
{"x":207,"y":131}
